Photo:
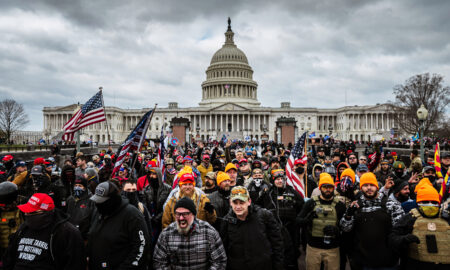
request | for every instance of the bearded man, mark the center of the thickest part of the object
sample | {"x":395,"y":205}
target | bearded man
{"x":197,"y":244}
{"x":186,"y":184}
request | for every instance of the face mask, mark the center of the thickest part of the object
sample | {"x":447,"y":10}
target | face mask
{"x":40,"y":221}
{"x":78,"y":191}
{"x":346,"y":184}
{"x":258,"y":181}
{"x":432,"y":178}
{"x":131,"y":196}
{"x":317,"y":174}
{"x":300,"y":170}
{"x":108,"y":207}
{"x":429,"y":210}
{"x":399,"y":173}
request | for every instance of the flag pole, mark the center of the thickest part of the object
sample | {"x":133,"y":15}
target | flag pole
{"x":143,"y":135}
{"x":78,"y":147}
{"x":106,"y":117}
{"x":305,"y":175}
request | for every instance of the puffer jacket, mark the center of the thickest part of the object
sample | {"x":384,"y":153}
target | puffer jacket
{"x":255,"y":243}
{"x":199,"y":199}
{"x":81,"y":212}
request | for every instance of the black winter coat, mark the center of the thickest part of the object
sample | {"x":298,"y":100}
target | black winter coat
{"x":255,"y":243}
{"x":81,"y":212}
{"x":155,"y":205}
{"x":119,"y":241}
{"x":66,"y":245}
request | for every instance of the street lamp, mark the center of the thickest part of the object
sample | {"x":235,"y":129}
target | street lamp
{"x":422,"y":114}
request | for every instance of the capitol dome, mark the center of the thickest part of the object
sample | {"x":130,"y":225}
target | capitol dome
{"x":229,"y":78}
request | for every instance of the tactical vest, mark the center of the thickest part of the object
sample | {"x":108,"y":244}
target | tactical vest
{"x":9,"y":223}
{"x":424,"y":227}
{"x":326,"y":215}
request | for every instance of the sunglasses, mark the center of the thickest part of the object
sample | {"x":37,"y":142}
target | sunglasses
{"x":352,"y":158}
{"x":363,"y":159}
{"x":243,"y":164}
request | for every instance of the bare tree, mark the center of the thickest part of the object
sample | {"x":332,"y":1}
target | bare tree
{"x":12,"y":118}
{"x":417,"y":90}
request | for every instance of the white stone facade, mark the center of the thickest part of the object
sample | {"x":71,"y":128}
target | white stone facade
{"x":229,"y":104}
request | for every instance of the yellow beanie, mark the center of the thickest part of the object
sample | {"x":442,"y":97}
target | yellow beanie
{"x":186,"y":169}
{"x":325,"y":179}
{"x":221,"y":176}
{"x":427,"y":193}
{"x":350,"y":173}
{"x":368,"y":178}
{"x":422,"y":183}
{"x":230,"y":166}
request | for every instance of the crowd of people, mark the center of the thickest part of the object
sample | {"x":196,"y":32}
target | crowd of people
{"x":226,"y":205}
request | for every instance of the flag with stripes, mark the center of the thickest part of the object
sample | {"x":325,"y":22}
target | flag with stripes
{"x":90,"y":113}
{"x":133,"y":141}
{"x":161,"y":152}
{"x":298,"y":152}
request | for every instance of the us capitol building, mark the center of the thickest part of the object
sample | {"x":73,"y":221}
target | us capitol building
{"x":230,"y":106}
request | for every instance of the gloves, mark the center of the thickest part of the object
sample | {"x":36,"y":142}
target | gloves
{"x":411,"y":238}
{"x":209,"y":207}
{"x":351,"y":211}
{"x":312,"y":215}
{"x":330,"y":230}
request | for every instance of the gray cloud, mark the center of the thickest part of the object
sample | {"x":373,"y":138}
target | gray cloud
{"x":312,"y":53}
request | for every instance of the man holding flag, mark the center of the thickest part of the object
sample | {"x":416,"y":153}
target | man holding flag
{"x":292,"y":178}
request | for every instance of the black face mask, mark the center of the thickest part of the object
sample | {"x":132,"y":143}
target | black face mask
{"x":300,"y":170}
{"x":131,"y":196}
{"x":432,"y":178}
{"x":402,"y":198}
{"x":40,"y":221}
{"x":399,"y":174}
{"x":108,"y":207}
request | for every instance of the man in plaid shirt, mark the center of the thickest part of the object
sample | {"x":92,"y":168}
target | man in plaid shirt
{"x":189,"y":243}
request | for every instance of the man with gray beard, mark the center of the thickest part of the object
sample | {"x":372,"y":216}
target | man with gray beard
{"x":189,"y":243}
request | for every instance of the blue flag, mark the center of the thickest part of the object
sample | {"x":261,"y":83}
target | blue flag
{"x":312,"y":135}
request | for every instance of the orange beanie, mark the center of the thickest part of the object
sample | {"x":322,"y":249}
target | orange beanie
{"x":368,"y":178}
{"x":325,"y":179}
{"x":221,"y":176}
{"x":422,"y":183}
{"x":350,"y":173}
{"x":427,"y":193}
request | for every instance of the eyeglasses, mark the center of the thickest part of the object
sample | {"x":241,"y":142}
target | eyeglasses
{"x":352,"y":158}
{"x":184,"y":214}
{"x":243,"y":164}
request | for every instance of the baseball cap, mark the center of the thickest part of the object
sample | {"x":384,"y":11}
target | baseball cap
{"x":362,"y":168}
{"x":205,"y":157}
{"x":36,"y":170}
{"x":243,"y":160}
{"x":21,"y":164}
{"x":103,"y":192}
{"x":239,"y":193}
{"x":39,"y":201}
{"x":299,"y":162}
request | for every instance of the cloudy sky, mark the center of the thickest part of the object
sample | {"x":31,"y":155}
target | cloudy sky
{"x":55,"y":53}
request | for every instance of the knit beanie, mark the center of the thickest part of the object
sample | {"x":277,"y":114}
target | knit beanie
{"x":187,"y":203}
{"x":350,"y":173}
{"x":221,"y":176}
{"x":325,"y":179}
{"x":81,"y":180}
{"x":427,"y":193}
{"x":368,"y":178}
{"x":423,"y":182}
{"x":230,"y":166}
{"x":399,"y":185}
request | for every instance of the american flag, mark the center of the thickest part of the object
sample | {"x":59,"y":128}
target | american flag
{"x":292,"y":178}
{"x":90,"y":113}
{"x":161,"y":152}
{"x":134,"y":140}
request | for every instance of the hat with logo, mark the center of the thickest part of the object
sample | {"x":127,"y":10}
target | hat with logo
{"x":39,"y":201}
{"x":399,"y":165}
{"x":239,"y":193}
{"x":104,"y":191}
{"x":37,"y":170}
